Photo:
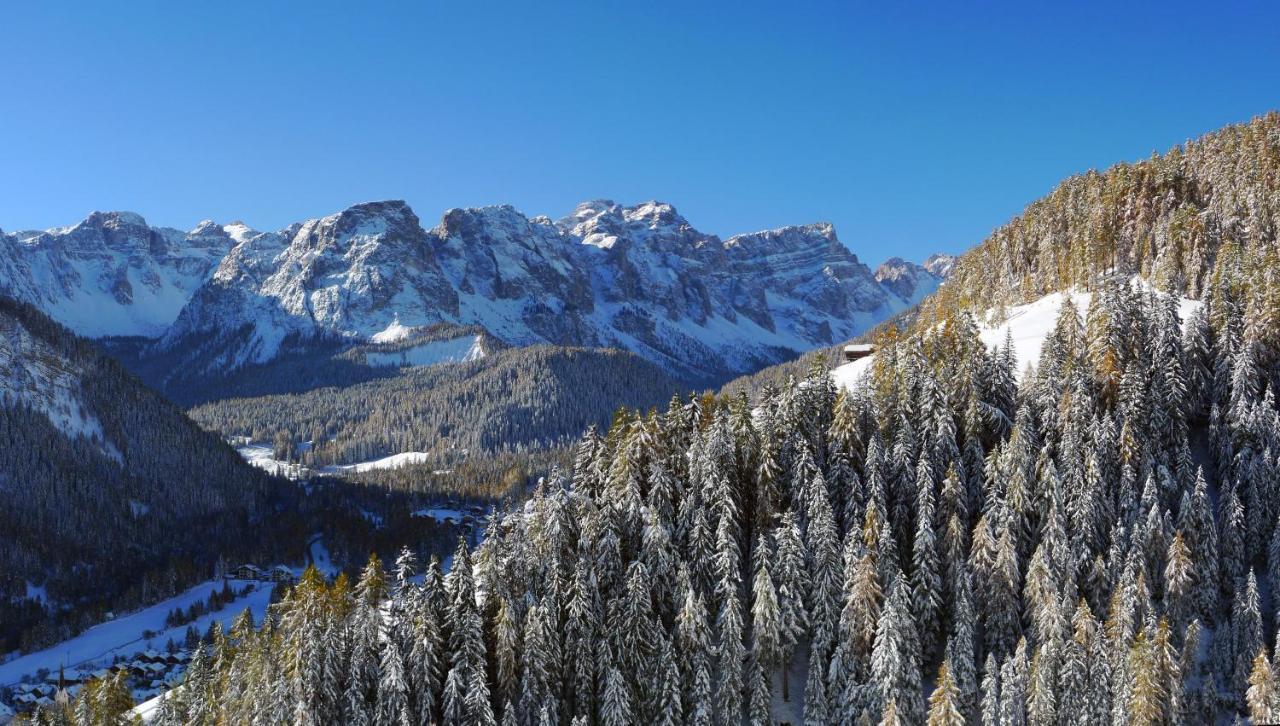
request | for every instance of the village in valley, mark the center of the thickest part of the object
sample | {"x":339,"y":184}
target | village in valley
{"x":151,"y":649}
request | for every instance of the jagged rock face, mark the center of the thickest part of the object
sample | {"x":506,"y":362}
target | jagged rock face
{"x":110,"y":274}
{"x":907,"y":280}
{"x":338,"y":275}
{"x":640,"y":278}
{"x":38,"y":375}
{"x":941,"y":265}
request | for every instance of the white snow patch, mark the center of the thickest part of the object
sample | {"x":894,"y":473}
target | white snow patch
{"x":148,"y":709}
{"x":1029,"y":326}
{"x":395,"y":461}
{"x":263,"y":457}
{"x":392,"y":333}
{"x":455,"y":350}
{"x":850,"y":374}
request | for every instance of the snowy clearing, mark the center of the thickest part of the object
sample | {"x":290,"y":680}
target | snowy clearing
{"x":395,"y":461}
{"x":1029,"y":325}
{"x":454,"y":350}
{"x":262,"y":456}
{"x":146,"y":711}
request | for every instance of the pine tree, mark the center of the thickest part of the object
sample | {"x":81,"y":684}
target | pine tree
{"x":615,"y":708}
{"x":944,"y":704}
{"x":766,"y":621}
{"x":393,"y":688}
{"x":895,"y":660}
{"x":1261,"y":696}
{"x":791,"y":581}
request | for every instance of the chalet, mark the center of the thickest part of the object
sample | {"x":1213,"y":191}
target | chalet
{"x":280,"y":573}
{"x":858,"y":350}
{"x":248,"y":572}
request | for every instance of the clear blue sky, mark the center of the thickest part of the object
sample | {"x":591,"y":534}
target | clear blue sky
{"x":914,"y":128}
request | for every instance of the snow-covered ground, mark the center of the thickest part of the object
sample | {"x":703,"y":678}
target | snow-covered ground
{"x":95,"y":647}
{"x":1029,"y":325}
{"x":262,"y":456}
{"x":395,"y":461}
{"x":454,"y":350}
{"x":392,"y":333}
{"x":146,"y":711}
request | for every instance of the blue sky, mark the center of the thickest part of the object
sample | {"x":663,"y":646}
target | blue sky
{"x":914,"y":127}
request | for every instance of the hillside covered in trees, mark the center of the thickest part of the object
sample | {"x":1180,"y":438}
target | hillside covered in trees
{"x":110,"y":494}
{"x":515,"y":399}
{"x":1198,"y":217}
{"x":1097,"y":543}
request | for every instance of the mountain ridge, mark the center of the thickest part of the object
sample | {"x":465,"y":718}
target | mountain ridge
{"x":639,"y":278}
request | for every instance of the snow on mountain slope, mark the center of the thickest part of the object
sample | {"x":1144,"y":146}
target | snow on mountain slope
{"x":96,"y":647}
{"x":640,"y":278}
{"x":908,"y":280}
{"x":457,"y":350}
{"x":36,"y":374}
{"x":1027,"y":325}
{"x":110,"y":274}
{"x":941,"y":265}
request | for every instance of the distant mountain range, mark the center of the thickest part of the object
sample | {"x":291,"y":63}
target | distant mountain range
{"x":637,"y":278}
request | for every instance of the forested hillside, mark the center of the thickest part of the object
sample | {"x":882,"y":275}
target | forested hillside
{"x":1181,"y":220}
{"x":110,"y":494}
{"x":1097,"y":543}
{"x":515,"y":399}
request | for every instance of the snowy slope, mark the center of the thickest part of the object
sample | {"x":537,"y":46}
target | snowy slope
{"x":262,"y":456}
{"x":639,"y":278}
{"x":96,"y":646}
{"x":111,"y":274}
{"x":395,"y":461}
{"x":1029,"y":325}
{"x":36,"y":374}
{"x":456,"y":350}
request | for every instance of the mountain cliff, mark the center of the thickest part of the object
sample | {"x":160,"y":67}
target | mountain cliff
{"x":639,"y":278}
{"x":111,"y":274}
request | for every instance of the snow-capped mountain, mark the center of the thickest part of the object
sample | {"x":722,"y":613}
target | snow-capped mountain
{"x":941,"y":265}
{"x":908,"y":280}
{"x":639,"y":278}
{"x":111,"y":274}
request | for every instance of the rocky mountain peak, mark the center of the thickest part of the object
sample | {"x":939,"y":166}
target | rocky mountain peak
{"x":941,"y":265}
{"x":639,"y":277}
{"x":908,"y":280}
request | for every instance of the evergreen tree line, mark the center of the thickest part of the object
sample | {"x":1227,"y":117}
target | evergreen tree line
{"x":516,"y":400}
{"x":1095,"y":543}
{"x":1179,"y":220}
